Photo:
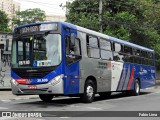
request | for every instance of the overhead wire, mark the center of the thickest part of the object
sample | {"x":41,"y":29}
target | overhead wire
{"x":39,"y":2}
{"x":48,"y":5}
{"x":94,"y":10}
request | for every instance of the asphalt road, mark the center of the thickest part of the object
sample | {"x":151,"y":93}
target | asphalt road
{"x":118,"y":105}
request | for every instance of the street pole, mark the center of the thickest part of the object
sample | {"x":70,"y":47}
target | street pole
{"x":66,"y":7}
{"x":67,"y":2}
{"x":100,"y":15}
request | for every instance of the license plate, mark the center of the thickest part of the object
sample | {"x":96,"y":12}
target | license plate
{"x":32,"y":87}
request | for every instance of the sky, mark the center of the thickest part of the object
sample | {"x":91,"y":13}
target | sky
{"x":49,"y":6}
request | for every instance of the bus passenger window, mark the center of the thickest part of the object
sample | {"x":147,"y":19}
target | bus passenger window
{"x":118,"y":47}
{"x":127,"y":50}
{"x":136,"y":52}
{"x":118,"y":54}
{"x":119,"y":57}
{"x":92,"y":47}
{"x":105,"y":49}
{"x":104,"y":44}
{"x":137,"y":60}
{"x":106,"y":55}
{"x":150,"y":55}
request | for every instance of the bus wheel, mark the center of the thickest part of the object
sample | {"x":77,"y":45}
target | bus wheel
{"x":105,"y":94}
{"x":136,"y":90}
{"x":46,"y":97}
{"x":89,"y":92}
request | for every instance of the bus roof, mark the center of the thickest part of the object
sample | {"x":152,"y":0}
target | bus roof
{"x":25,"y":25}
{"x":85,"y":30}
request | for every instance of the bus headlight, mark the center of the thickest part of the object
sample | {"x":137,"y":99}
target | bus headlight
{"x":13,"y":81}
{"x":56,"y":80}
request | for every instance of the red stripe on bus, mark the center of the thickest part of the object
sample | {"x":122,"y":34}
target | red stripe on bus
{"x":131,"y":79}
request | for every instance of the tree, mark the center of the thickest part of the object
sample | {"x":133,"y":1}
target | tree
{"x":29,"y":16}
{"x":86,"y":13}
{"x":4,"y":22}
{"x":83,"y":13}
{"x":136,"y":21}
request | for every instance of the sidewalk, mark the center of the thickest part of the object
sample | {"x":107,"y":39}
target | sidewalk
{"x":158,"y":82}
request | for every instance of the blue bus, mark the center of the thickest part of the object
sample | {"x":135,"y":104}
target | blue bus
{"x":61,"y":59}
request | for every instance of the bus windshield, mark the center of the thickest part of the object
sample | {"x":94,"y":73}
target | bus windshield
{"x":40,"y":50}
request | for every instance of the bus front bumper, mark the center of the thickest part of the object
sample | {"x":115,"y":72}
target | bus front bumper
{"x":48,"y":88}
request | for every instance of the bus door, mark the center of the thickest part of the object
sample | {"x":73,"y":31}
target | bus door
{"x":72,"y":65}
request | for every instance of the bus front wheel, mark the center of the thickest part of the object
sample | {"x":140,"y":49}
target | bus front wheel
{"x":46,"y":97}
{"x":89,"y":92}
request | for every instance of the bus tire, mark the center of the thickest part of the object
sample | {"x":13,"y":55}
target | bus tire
{"x":89,"y":92}
{"x":46,"y":97}
{"x":136,"y":90}
{"x":105,"y":94}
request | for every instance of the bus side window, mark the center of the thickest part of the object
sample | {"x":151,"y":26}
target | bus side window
{"x":73,"y":51}
{"x":92,"y":47}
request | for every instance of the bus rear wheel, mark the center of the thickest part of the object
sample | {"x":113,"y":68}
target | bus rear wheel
{"x":46,"y":97}
{"x":89,"y":92}
{"x":136,"y":90}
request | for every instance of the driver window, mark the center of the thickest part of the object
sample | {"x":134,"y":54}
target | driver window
{"x":73,"y":52}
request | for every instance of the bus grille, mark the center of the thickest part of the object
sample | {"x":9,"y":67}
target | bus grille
{"x":32,"y":75}
{"x":36,"y":90}
{"x":28,"y":73}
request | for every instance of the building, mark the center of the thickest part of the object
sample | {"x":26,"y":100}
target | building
{"x":55,"y":18}
{"x":9,"y":7}
{"x":5,"y":59}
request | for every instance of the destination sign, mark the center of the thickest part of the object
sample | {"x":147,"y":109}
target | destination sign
{"x":36,"y":28}
{"x":29,"y":29}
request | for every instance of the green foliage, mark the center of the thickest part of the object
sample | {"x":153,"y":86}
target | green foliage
{"x":29,"y":16}
{"x":136,"y":21}
{"x":120,"y":25}
{"x":4,"y":20}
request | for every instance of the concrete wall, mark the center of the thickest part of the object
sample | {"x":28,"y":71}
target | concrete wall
{"x":5,"y":59}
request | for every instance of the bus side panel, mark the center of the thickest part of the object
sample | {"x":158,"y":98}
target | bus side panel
{"x":71,"y":84}
{"x":147,"y":76}
{"x":98,"y":71}
{"x":131,"y":72}
{"x":82,"y":37}
{"x":95,"y":68}
{"x":72,"y":71}
{"x":137,"y":75}
{"x":117,"y":71}
{"x":129,"y":75}
{"x":122,"y":76}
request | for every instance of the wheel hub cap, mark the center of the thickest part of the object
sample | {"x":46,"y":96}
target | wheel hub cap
{"x":89,"y":91}
{"x":137,"y":88}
